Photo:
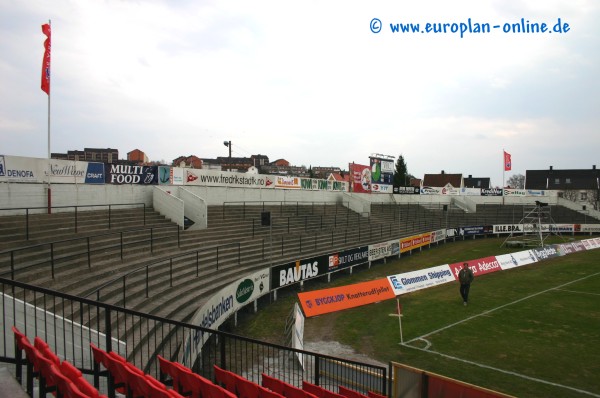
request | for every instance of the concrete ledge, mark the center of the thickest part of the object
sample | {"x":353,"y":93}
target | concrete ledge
{"x":9,"y":386}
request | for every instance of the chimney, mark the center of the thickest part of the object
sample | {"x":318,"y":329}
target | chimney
{"x":550,"y":167}
{"x":443,"y":172}
{"x":593,"y":167}
{"x":470,"y":176}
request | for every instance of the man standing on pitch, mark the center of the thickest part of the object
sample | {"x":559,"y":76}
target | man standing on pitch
{"x":465,"y":277}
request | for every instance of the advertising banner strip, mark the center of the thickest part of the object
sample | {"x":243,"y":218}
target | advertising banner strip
{"x":340,"y":298}
{"x":416,"y":280}
{"x":479,"y":266}
{"x":384,"y":249}
{"x":303,"y":269}
{"x":415,"y":241}
{"x":220,"y":306}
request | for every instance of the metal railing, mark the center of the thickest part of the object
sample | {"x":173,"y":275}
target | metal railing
{"x":285,"y":205}
{"x":53,"y":254}
{"x":77,"y":322}
{"x":75,"y":214}
{"x":164,"y":267}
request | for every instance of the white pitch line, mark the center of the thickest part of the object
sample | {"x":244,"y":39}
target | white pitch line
{"x":577,"y":292}
{"x":498,"y":308}
{"x":505,"y":371}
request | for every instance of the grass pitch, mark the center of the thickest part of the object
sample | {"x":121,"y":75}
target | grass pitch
{"x":533,"y":331}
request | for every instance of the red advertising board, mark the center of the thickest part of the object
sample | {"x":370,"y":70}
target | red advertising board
{"x":360,"y":178}
{"x":480,"y":266}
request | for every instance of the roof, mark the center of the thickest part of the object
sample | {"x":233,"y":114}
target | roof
{"x":339,"y":177}
{"x":476,"y":182}
{"x":443,"y":179}
{"x":563,"y":179}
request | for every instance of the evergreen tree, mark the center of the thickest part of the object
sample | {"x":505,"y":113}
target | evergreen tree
{"x":401,"y":176}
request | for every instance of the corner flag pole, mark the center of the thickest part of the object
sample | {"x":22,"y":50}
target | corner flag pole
{"x":503,"y":175}
{"x":399,"y":308}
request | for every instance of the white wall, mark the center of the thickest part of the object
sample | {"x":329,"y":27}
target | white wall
{"x":167,"y":203}
{"x":194,"y":208}
{"x":22,"y":195}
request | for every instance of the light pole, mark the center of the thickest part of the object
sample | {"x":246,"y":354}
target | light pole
{"x":228,"y":144}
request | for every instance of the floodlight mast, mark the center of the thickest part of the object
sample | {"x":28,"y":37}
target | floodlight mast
{"x":228,"y":144}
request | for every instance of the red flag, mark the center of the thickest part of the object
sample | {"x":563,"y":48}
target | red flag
{"x":46,"y":61}
{"x":507,"y":161}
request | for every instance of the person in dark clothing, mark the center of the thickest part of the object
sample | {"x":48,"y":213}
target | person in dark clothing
{"x":465,"y":277}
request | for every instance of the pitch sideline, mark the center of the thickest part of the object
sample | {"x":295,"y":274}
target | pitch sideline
{"x":484,"y":313}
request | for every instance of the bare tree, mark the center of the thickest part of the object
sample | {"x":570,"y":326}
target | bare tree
{"x":516,"y":181}
{"x":570,"y":194}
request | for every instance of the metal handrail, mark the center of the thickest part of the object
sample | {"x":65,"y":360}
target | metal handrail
{"x":281,"y":203}
{"x":146,"y":267}
{"x":88,"y":251}
{"x":75,"y":207}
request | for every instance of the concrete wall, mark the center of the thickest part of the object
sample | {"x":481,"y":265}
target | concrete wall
{"x":219,"y":195}
{"x":194,"y":208}
{"x":15,"y":195}
{"x":168,"y":204}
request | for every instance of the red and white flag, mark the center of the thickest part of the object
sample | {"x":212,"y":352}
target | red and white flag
{"x":46,"y":62}
{"x":507,"y":161}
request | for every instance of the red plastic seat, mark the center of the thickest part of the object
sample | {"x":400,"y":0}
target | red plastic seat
{"x":373,"y":394}
{"x":295,"y":392}
{"x":99,"y":356}
{"x":174,"y":370}
{"x":274,"y":384}
{"x":244,"y":387}
{"x":226,"y":379}
{"x":264,"y":392}
{"x":313,"y":389}
{"x":46,"y":351}
{"x":75,"y":375}
{"x":68,"y":389}
{"x":216,"y":391}
{"x":348,"y":393}
{"x":195,"y":385}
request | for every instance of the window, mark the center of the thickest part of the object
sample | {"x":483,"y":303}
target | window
{"x":583,"y":196}
{"x":567,"y":180}
{"x":478,"y":183}
{"x":557,"y":181}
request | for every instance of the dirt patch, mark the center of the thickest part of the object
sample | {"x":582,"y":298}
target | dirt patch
{"x":336,"y":349}
{"x":319,"y":336}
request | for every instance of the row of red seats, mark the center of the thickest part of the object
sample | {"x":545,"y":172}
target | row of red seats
{"x":129,"y":379}
{"x":290,"y":391}
{"x":186,"y":382}
{"x":61,"y":378}
{"x":189,"y":383}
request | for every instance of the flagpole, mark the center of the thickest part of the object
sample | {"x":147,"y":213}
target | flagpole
{"x":399,"y":319}
{"x":503,"y":174}
{"x":49,"y":95}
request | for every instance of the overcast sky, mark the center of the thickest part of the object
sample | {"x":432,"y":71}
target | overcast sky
{"x":307,"y":81}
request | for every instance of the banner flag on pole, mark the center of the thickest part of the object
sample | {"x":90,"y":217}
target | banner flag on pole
{"x":507,"y":161}
{"x":46,"y":61}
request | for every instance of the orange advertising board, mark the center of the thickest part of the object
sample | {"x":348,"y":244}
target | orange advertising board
{"x":414,"y":242}
{"x":340,"y":298}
